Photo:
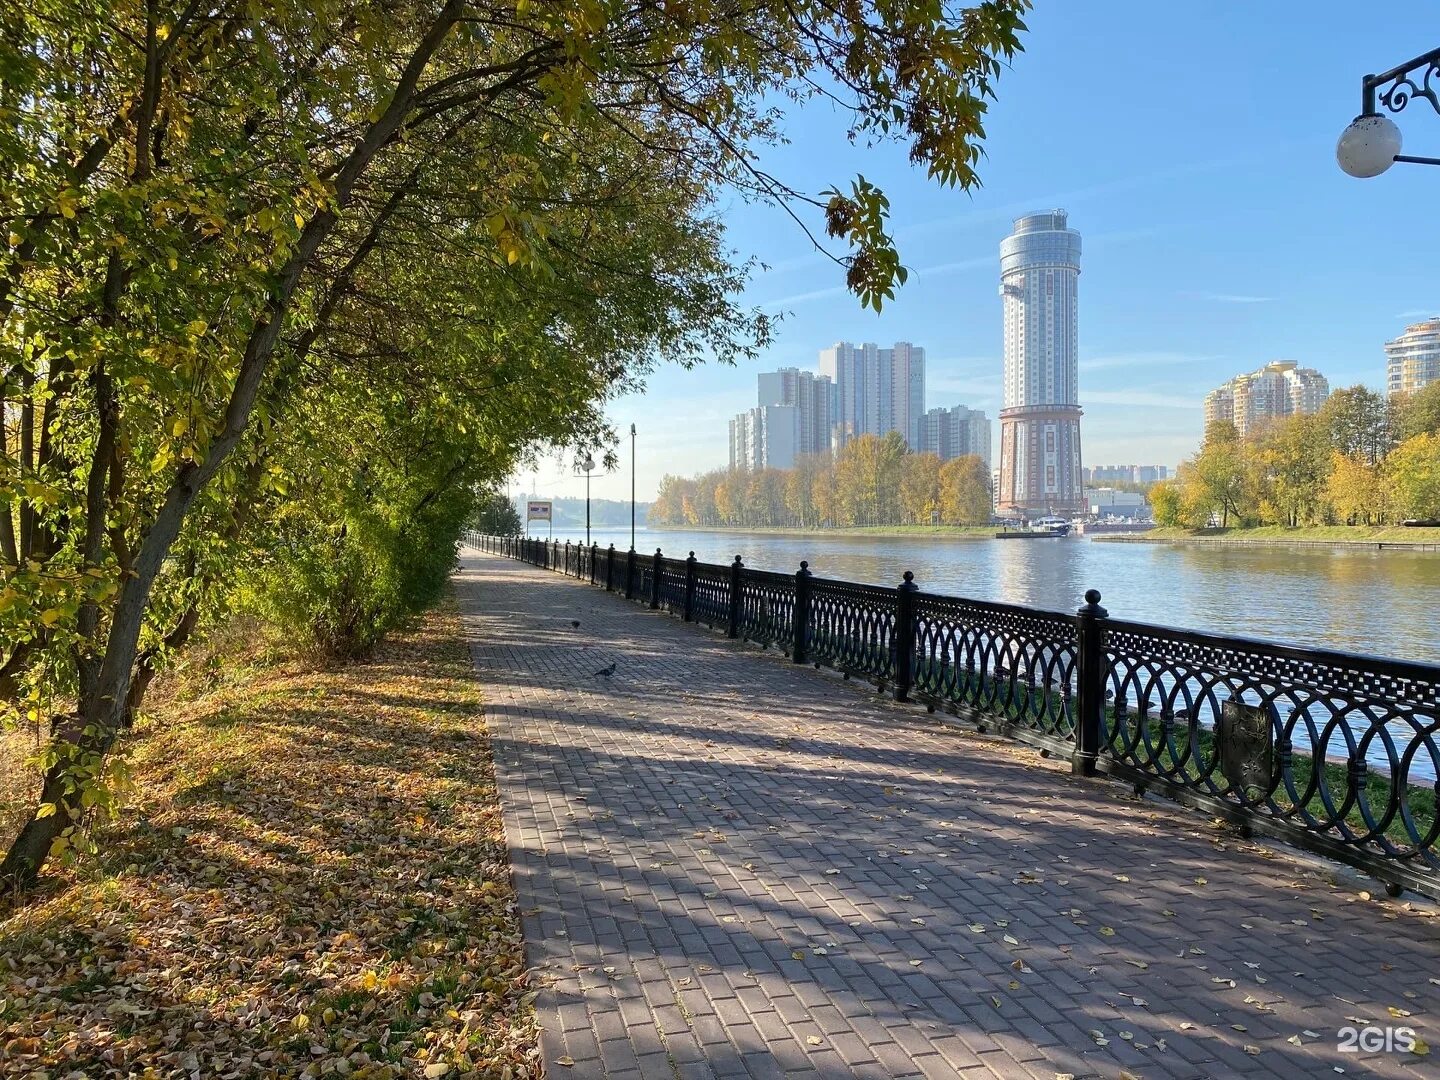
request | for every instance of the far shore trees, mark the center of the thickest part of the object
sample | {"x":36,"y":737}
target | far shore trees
{"x":871,"y":482}
{"x":1361,"y":460}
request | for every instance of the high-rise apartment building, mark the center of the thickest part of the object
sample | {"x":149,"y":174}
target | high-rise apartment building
{"x":764,"y":437}
{"x":1282,"y":388}
{"x":813,"y":396}
{"x":1040,"y":421}
{"x":1413,"y":359}
{"x":1101,"y":475}
{"x":876,"y":390}
{"x":955,"y":432}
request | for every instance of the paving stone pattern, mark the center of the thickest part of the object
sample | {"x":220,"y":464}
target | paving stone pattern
{"x":732,"y":866}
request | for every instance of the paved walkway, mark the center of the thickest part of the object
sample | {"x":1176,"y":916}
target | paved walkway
{"x":729,"y":866}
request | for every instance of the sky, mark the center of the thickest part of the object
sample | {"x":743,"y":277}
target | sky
{"x":1192,"y":143}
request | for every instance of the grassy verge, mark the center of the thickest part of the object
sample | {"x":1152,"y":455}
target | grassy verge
{"x":1326,"y":534}
{"x":968,"y":532}
{"x":313,"y":882}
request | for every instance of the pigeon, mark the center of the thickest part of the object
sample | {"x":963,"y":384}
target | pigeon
{"x":605,"y":672}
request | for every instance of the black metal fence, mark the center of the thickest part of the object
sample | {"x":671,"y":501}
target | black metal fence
{"x":1333,"y":752}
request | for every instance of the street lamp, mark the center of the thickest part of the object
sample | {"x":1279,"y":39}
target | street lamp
{"x":632,"y":487}
{"x":1371,"y":144}
{"x":588,"y":465}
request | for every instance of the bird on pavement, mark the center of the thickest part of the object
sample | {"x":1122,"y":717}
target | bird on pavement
{"x":605,"y":672}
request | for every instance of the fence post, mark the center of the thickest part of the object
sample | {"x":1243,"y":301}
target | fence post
{"x":655,"y":579}
{"x":802,"y":614}
{"x":566,"y":571}
{"x":905,"y":636}
{"x":610,"y":570}
{"x":594,"y":554}
{"x":688,"y":612}
{"x":630,"y":575}
{"x":1090,"y":686}
{"x":737,"y":569}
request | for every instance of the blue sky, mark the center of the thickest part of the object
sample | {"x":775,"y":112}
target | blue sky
{"x":1193,"y":145}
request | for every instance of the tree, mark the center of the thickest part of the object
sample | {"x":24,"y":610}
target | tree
{"x":1290,"y":461}
{"x":920,"y":487}
{"x":1216,"y":481}
{"x":1413,"y":469}
{"x":1166,"y":504}
{"x":1356,"y":490}
{"x":800,"y":485}
{"x":1419,"y":413}
{"x":867,"y":478}
{"x":1358,"y":423}
{"x":200,"y":197}
{"x":824,"y":494}
{"x":494,"y":514}
{"x":965,"y":491}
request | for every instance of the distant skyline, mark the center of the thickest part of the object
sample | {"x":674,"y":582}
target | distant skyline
{"x":1193,"y":147}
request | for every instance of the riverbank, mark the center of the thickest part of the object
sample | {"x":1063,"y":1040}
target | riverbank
{"x":940,"y":532}
{"x":312,"y":880}
{"x":1334,"y":536}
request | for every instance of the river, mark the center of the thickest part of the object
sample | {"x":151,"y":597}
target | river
{"x":1384,"y":603}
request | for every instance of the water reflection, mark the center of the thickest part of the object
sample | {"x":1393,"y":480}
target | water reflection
{"x":1376,"y":602}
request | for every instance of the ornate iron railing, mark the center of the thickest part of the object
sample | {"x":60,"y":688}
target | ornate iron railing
{"x":852,"y":628}
{"x":1008,"y":666}
{"x":1333,"y":752}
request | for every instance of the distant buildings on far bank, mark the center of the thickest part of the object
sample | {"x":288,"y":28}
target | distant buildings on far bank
{"x":955,"y":432}
{"x":859,"y":390}
{"x":1412,"y":360}
{"x":1282,"y":388}
{"x":1104,"y":475}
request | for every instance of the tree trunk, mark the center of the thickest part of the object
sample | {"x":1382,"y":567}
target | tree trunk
{"x":31,"y":848}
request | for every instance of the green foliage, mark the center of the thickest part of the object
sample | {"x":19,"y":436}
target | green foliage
{"x":279,"y":281}
{"x":1419,"y":413}
{"x":1362,"y":460}
{"x":1414,"y":472}
{"x":494,"y":514}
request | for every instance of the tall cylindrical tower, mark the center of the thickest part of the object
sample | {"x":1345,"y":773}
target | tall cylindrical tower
{"x":1040,"y":419}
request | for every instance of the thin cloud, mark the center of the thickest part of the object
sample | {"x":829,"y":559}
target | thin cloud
{"x":1417,"y":313}
{"x":1142,"y":399}
{"x":1146,"y":359}
{"x":1229,"y":298}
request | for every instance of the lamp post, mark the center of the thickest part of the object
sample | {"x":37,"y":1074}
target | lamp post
{"x":632,"y":487}
{"x":1371,"y":144}
{"x":588,"y":465}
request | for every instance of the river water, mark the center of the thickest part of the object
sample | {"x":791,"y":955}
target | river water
{"x":1384,"y":603}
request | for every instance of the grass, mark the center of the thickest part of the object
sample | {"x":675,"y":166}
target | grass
{"x":312,"y":881}
{"x":1358,"y":534}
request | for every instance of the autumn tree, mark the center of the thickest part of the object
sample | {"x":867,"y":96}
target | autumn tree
{"x":965,"y":491}
{"x":1413,"y":471}
{"x":1356,"y":490}
{"x":1218,"y":477}
{"x":1290,"y":461}
{"x":197,"y":193}
{"x":867,"y":478}
{"x":920,"y":488}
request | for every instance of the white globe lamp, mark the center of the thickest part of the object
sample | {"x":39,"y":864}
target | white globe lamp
{"x":1368,"y":146}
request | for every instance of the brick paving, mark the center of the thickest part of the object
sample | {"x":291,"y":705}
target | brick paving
{"x":731,"y":866}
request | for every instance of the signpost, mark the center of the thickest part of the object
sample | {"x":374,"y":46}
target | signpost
{"x":539,"y":510}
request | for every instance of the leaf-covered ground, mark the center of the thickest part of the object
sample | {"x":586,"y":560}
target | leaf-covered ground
{"x":312,"y":882}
